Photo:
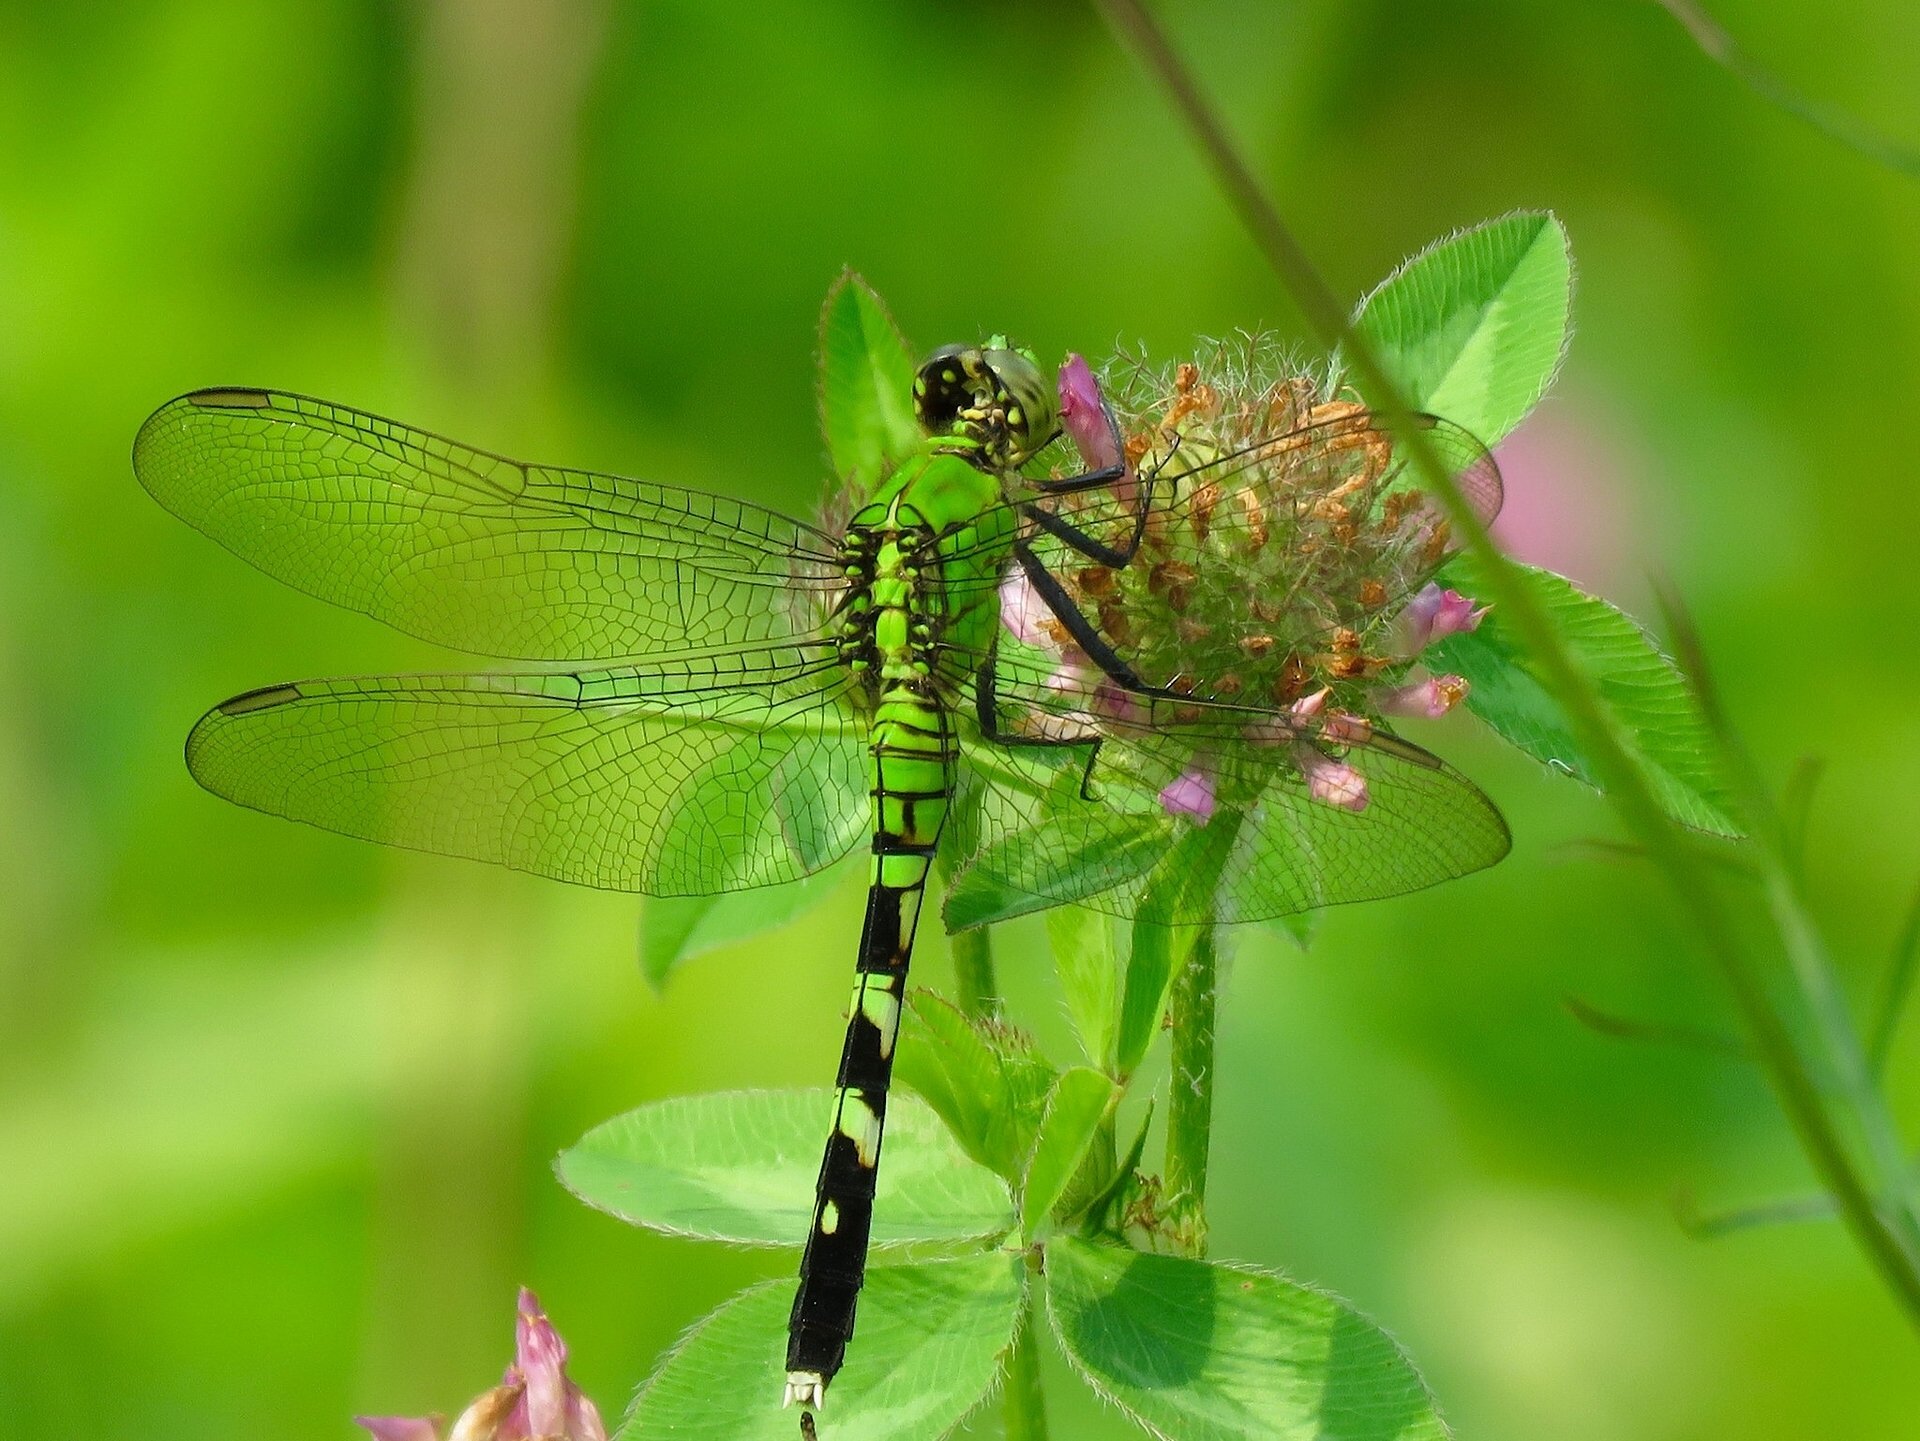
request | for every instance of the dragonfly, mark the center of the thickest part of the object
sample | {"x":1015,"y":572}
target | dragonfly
{"x":708,"y":695}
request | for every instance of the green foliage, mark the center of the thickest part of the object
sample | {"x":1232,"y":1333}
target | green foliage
{"x":1081,"y":1100}
{"x":866,"y":380}
{"x":986,"y":1080}
{"x":1178,"y":902}
{"x":1650,"y":703}
{"x":1083,"y":955}
{"x":1204,"y":1352}
{"x":931,"y":1339}
{"x":980,"y":893}
{"x":1474,"y":326}
{"x":739,"y":1166}
{"x":675,"y":929}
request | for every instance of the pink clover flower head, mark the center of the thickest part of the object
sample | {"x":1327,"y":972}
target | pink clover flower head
{"x":1190,"y":794}
{"x":1434,"y":614}
{"x":1432,"y":697}
{"x":535,"y":1400}
{"x":1331,"y":782}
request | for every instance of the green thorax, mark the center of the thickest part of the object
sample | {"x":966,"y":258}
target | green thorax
{"x":924,"y":555}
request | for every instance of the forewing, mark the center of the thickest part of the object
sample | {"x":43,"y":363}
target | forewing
{"x":679,"y":779}
{"x":473,"y":550}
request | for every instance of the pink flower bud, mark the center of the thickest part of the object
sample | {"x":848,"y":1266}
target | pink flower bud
{"x":1309,"y":706}
{"x":1084,"y":415}
{"x":1432,"y":697}
{"x":1434,"y":614}
{"x":1345,"y":728}
{"x":540,"y":1358}
{"x":1332,"y":782}
{"x":1190,"y":794}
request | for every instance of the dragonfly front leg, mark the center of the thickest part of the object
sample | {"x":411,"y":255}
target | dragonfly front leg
{"x":1082,"y":631}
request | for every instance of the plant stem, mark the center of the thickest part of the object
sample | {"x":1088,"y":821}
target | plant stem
{"x":1799,"y":1094}
{"x":976,"y":988}
{"x":1194,"y":1007}
{"x":1023,"y":1402}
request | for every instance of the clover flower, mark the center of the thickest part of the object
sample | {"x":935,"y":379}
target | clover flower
{"x":1285,"y":569}
{"x":1433,"y":615}
{"x":535,"y":1400}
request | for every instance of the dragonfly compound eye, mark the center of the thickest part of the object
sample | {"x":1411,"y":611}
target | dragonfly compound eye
{"x":993,"y":400}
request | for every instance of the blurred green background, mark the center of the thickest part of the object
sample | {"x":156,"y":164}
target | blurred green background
{"x":277,"y":1109}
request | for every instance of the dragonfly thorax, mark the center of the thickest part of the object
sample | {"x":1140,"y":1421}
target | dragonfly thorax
{"x":889,"y":627}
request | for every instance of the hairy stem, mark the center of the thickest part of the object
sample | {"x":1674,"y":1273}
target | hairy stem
{"x":1194,"y":1007}
{"x":1023,"y":1402}
{"x":1799,"y":1094}
{"x":976,"y":989}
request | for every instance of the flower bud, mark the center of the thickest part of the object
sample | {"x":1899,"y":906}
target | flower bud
{"x":1432,"y":697}
{"x":1434,"y":614}
{"x":1084,"y":416}
{"x":1191,"y":794}
{"x":1332,"y":782}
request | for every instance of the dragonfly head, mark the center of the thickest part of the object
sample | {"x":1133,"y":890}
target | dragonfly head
{"x":990,"y":402}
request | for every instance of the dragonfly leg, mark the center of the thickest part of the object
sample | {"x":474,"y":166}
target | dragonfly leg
{"x":1083,"y":631}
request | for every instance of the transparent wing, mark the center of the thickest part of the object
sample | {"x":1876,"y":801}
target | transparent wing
{"x":1069,"y":823}
{"x":1339,"y":492}
{"x":474,"y":550}
{"x":680,"y":779}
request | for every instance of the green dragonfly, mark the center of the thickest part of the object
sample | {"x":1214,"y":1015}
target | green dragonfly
{"x":715,"y":696}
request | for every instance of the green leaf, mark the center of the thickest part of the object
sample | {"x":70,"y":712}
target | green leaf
{"x":740,"y":1166}
{"x":1177,"y":903}
{"x":1089,"y":970}
{"x":929,"y":1348}
{"x":985,"y":1079}
{"x":674,"y":929}
{"x":1474,"y":326}
{"x":1646,"y":697}
{"x":1205,"y":1352}
{"x":1081,"y":1099}
{"x":866,"y":385}
{"x":1119,"y":846}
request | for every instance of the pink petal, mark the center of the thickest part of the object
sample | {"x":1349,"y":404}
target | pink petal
{"x":1117,"y":704}
{"x":1332,"y":782}
{"x":1344,"y":728}
{"x":1023,"y":612}
{"x":400,"y":1428}
{"x":583,"y":1417}
{"x":1309,"y":706}
{"x":541,"y":1358}
{"x":1083,"y":414}
{"x":1432,"y":697}
{"x":1191,"y":795}
{"x":1434,"y":614}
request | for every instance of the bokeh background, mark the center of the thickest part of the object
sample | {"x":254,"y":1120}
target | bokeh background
{"x":277,"y":1109}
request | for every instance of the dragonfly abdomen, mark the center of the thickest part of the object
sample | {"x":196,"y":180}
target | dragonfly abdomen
{"x":913,"y":748}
